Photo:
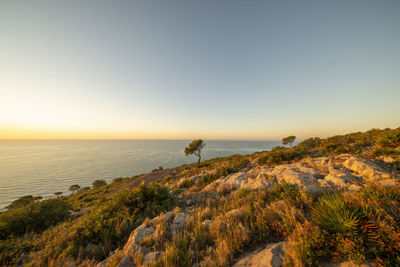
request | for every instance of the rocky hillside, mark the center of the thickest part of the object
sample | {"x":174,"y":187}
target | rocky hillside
{"x":328,"y":202}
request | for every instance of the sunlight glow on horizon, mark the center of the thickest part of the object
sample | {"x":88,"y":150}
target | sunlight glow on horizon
{"x":187,"y":70}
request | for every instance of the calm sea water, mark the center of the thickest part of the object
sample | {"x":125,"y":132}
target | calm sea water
{"x":44,"y":167}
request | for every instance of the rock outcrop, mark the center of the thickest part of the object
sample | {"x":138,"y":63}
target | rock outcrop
{"x":126,"y":262}
{"x":270,"y":256}
{"x":135,"y":246}
{"x":312,"y":174}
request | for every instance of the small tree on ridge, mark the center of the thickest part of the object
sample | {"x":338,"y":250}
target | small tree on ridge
{"x":74,"y":188}
{"x":289,"y":140}
{"x":195,"y":148}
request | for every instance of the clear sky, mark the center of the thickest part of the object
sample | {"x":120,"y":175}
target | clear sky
{"x":197,"y":69}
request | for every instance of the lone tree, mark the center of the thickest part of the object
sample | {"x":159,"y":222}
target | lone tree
{"x":58,"y":194}
{"x":195,"y":148}
{"x":289,"y":140}
{"x":73,"y":188}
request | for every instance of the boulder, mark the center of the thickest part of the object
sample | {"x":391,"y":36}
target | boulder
{"x":167,"y":217}
{"x":132,"y":249}
{"x":141,"y":233}
{"x":133,"y":245}
{"x":270,"y":256}
{"x":236,"y":179}
{"x":341,"y":178}
{"x":295,"y":173}
{"x":179,"y":222}
{"x":151,"y":258}
{"x":126,"y":262}
{"x":91,"y":250}
{"x":368,"y":170}
{"x":386,"y":159}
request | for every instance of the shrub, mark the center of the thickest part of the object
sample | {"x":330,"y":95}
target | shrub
{"x":178,"y":253}
{"x":383,"y":151}
{"x":206,"y":179}
{"x":186,"y":184}
{"x":281,"y":154}
{"x":34,"y":217}
{"x":390,"y":140}
{"x":98,"y":183}
{"x":334,"y":214}
{"x":107,"y":224}
{"x":118,"y":180}
{"x":305,"y":246}
{"x":23,"y":201}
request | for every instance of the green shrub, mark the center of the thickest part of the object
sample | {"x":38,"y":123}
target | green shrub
{"x":279,"y":155}
{"x":186,"y":184}
{"x":118,"y":180}
{"x":117,"y":217}
{"x":98,"y":183}
{"x":23,"y":201}
{"x":306,"y":245}
{"x":35,"y":217}
{"x":178,"y":253}
{"x":206,"y":179}
{"x":334,"y":214}
{"x":390,"y":140}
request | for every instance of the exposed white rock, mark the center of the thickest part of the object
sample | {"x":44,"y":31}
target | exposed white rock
{"x":370,"y":171}
{"x":312,"y":174}
{"x":386,"y":159}
{"x":270,"y":256}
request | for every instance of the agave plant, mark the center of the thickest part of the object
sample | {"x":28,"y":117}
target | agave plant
{"x":334,"y":214}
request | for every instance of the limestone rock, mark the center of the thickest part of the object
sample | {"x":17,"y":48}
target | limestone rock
{"x":179,"y":222}
{"x":126,"y":262}
{"x":131,"y":249}
{"x":151,"y":258}
{"x":167,"y":217}
{"x":270,"y":256}
{"x":370,"y":171}
{"x":133,"y":245}
{"x":141,"y":233}
{"x":386,"y":159}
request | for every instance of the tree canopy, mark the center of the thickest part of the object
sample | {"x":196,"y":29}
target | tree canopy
{"x":74,"y":188}
{"x":195,"y":148}
{"x":289,"y":140}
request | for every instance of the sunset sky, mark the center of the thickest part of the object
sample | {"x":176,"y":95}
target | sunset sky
{"x":197,"y":69}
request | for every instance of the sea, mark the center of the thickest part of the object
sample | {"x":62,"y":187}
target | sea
{"x":40,"y":168}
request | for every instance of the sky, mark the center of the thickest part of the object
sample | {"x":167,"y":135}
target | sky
{"x":207,"y":69}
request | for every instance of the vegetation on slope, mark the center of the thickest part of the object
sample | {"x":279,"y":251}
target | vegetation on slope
{"x":354,"y":225}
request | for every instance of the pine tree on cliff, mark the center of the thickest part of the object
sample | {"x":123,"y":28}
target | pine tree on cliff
{"x":289,"y":140}
{"x":195,"y":148}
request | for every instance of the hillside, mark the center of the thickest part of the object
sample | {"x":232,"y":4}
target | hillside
{"x":329,"y":202}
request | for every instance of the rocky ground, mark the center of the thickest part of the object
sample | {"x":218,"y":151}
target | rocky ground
{"x":342,"y":172}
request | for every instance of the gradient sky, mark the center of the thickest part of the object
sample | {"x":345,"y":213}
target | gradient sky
{"x":197,"y":69}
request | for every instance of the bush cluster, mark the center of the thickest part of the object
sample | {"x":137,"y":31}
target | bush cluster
{"x":106,"y":225}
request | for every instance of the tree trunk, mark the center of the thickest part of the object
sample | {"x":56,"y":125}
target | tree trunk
{"x":198,"y":162}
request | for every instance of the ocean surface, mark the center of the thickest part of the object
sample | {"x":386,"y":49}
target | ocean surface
{"x":44,"y":167}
